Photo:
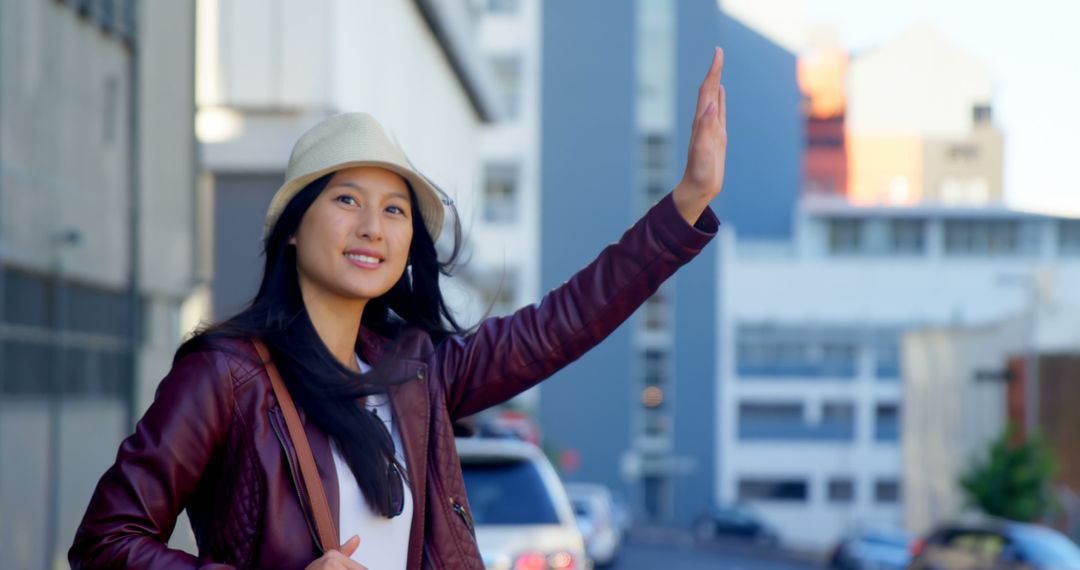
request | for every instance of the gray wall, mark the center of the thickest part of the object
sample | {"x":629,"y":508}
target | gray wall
{"x":240,"y":203}
{"x":588,"y":198}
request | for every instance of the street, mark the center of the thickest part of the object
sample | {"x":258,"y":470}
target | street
{"x":649,"y":551}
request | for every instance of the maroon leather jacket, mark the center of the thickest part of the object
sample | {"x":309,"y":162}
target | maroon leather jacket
{"x":214,"y":440}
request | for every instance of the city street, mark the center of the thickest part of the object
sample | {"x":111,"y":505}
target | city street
{"x":649,"y":551}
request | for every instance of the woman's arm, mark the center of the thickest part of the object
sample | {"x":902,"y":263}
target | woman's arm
{"x":134,"y":508}
{"x":506,"y":356}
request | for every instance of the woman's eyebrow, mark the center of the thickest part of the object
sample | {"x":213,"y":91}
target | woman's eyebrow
{"x":358,"y":186}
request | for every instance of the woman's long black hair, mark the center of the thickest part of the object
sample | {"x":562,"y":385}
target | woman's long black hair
{"x":327,"y":390}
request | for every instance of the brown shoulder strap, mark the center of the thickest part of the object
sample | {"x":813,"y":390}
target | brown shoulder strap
{"x":324,"y":522}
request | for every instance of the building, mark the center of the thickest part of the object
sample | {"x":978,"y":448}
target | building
{"x":99,"y":255}
{"x":637,"y":412}
{"x":963,"y":385}
{"x":269,"y":71}
{"x":812,"y":382}
{"x":919,"y":125}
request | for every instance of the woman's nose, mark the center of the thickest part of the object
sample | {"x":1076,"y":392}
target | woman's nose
{"x":368,"y":224}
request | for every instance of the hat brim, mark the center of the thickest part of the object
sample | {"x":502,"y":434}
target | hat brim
{"x":431,"y":204}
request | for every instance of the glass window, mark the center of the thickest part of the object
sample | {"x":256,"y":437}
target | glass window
{"x":1069,"y":237}
{"x":887,"y":355}
{"x":771,"y":420}
{"x":887,"y":422}
{"x":507,"y":493}
{"x":654,"y":364}
{"x":983,"y":237}
{"x":887,"y":491}
{"x":907,"y":236}
{"x":656,"y":310}
{"x":506,"y":7}
{"x":507,"y":70}
{"x":500,"y":192}
{"x":841,"y":490}
{"x":837,"y":421}
{"x":786,"y":490}
{"x":656,"y":152}
{"x":845,"y":236}
{"x":792,"y":352}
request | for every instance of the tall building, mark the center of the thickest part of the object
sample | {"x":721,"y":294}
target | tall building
{"x":812,"y":384}
{"x":99,"y":255}
{"x":269,"y":71}
{"x":638,"y":412}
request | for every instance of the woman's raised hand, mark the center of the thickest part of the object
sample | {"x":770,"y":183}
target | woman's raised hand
{"x":704,"y":174}
{"x":339,"y":559}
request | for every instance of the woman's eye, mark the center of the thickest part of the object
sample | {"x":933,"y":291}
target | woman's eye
{"x":346,"y":199}
{"x":395,"y":210}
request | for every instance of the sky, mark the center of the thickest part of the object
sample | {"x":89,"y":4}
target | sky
{"x":1031,"y":48}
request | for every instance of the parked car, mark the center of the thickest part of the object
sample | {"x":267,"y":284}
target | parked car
{"x":995,"y":545}
{"x":734,"y":521}
{"x":522,"y":516}
{"x":876,"y":549}
{"x":594,"y":508}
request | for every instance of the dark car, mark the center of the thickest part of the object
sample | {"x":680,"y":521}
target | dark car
{"x":872,"y":550}
{"x":735,"y":522}
{"x":995,"y":545}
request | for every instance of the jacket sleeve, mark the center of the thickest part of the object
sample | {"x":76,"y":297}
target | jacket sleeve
{"x":136,"y":503}
{"x":507,"y":355}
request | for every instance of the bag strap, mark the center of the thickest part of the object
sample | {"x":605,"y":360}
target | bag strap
{"x":324,"y":522}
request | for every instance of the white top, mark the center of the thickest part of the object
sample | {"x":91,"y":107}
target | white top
{"x":384,"y":543}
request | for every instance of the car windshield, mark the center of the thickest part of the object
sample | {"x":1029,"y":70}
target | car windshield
{"x":1045,"y":548}
{"x":888,"y":540}
{"x":508,"y":493}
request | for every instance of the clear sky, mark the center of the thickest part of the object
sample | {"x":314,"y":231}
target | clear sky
{"x":1032,"y":49}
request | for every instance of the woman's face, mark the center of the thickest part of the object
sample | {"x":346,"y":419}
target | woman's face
{"x":353,"y":241}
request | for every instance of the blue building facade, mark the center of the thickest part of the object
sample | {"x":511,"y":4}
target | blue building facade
{"x":603,"y":162}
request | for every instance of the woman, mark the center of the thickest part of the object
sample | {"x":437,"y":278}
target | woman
{"x":352,"y":314}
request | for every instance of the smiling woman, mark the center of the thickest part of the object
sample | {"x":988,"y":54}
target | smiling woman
{"x":351,"y":315}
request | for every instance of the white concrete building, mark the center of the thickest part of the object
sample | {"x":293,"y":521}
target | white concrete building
{"x":99,"y":251}
{"x":810,"y":396}
{"x":269,"y":70}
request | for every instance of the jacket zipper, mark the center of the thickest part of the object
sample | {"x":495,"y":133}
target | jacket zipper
{"x":464,"y":514}
{"x":275,"y":420}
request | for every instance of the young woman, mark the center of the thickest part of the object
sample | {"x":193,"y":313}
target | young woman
{"x":352,"y":316}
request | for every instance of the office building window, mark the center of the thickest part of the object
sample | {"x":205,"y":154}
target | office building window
{"x":793,"y":352}
{"x":654,"y":364}
{"x":907,"y":236}
{"x":985,"y":237}
{"x":505,"y":7}
{"x":841,"y":490}
{"x":782,"y":490}
{"x":501,"y":192}
{"x":771,"y":420}
{"x":887,"y":355}
{"x":837,"y":422}
{"x":887,"y":423}
{"x":982,"y":114}
{"x":656,"y":312}
{"x":845,"y":236}
{"x":887,"y":491}
{"x":1069,"y":237}
{"x":507,"y":70}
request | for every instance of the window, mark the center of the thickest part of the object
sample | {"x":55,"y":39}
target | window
{"x":982,"y":114}
{"x":982,"y":237}
{"x":963,"y":152}
{"x":654,"y":364}
{"x":887,"y":423}
{"x":1069,"y":237}
{"x":507,"y":492}
{"x":786,"y":490}
{"x":792,"y":351}
{"x":500,"y":192}
{"x":907,"y":236}
{"x":656,"y":152}
{"x":837,"y":422}
{"x":887,"y":491}
{"x":845,"y":236}
{"x":507,"y":70}
{"x":841,"y":490}
{"x":764,"y":421}
{"x":506,"y":7}
{"x":657,"y":422}
{"x":656,"y":312}
{"x":887,"y":355}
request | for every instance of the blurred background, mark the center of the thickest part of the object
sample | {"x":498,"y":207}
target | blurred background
{"x":884,"y":337}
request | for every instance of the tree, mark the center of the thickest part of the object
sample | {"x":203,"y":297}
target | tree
{"x":1014,"y":480}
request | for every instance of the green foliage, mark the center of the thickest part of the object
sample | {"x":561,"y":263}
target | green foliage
{"x":1013,"y":481}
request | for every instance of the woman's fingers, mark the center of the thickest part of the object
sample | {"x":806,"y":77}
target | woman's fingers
{"x":350,"y":546}
{"x":710,"y":88}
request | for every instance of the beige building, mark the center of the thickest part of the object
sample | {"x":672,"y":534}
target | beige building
{"x":919,"y":125}
{"x":98,"y":249}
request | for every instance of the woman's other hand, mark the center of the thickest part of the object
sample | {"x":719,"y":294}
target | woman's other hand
{"x":704,"y":174}
{"x":339,"y":559}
